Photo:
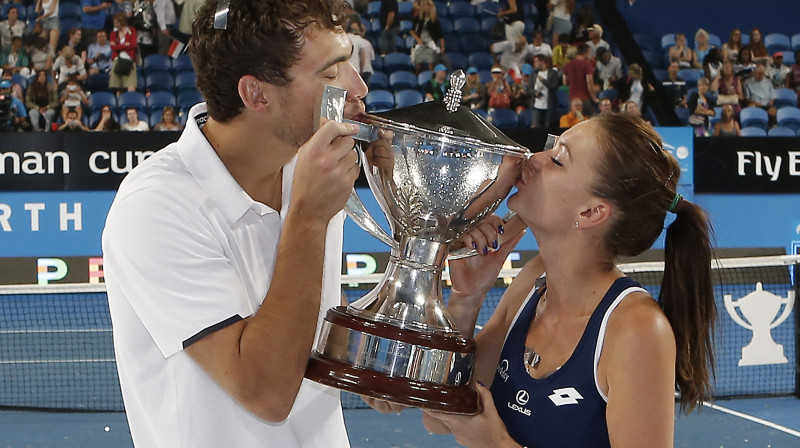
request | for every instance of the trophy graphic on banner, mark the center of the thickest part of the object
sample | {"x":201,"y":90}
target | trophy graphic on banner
{"x":760,"y":313}
{"x":436,"y":169}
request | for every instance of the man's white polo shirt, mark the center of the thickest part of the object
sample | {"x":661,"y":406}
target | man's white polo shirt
{"x":187,"y":251}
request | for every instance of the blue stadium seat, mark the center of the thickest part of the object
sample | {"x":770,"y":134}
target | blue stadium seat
{"x":466,"y":25}
{"x":157,"y":100}
{"x":373,"y":9}
{"x":188,"y":98}
{"x":69,"y":11}
{"x":788,"y":58}
{"x":795,"y":43}
{"x":667,"y":41}
{"x":717,"y":116}
{"x":472,"y":43}
{"x":97,"y":82}
{"x":488,"y":9}
{"x":441,"y":9}
{"x":714,"y":41}
{"x":424,"y":77}
{"x":780,"y":131}
{"x":401,"y":80}
{"x":446,"y":24}
{"x":777,"y":42}
{"x":185,"y":80}
{"x":393,"y":62}
{"x":485,"y":76}
{"x":99,"y":99}
{"x":407,"y":97}
{"x":690,"y":75}
{"x":481,"y":60}
{"x":452,"y":42}
{"x":753,"y":117}
{"x":683,"y":115}
{"x":377,"y":63}
{"x":379,"y":101}
{"x":753,"y":132}
{"x":504,"y":118}
{"x":183,"y":63}
{"x":611,"y":94}
{"x":154,"y":118}
{"x":785,"y":96}
{"x":405,"y":9}
{"x":406,"y":26}
{"x":457,"y":60}
{"x":68,"y":23}
{"x":487,"y":23}
{"x":136,"y":100}
{"x":156,"y":63}
{"x":789,"y":117}
{"x":160,"y":82}
{"x":524,"y":118}
{"x":459,"y":9}
{"x":745,"y":39}
{"x":378,"y":81}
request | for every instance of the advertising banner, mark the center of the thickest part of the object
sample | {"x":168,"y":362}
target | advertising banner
{"x":747,"y":165}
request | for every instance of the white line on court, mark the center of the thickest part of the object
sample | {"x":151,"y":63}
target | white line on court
{"x":767,"y":423}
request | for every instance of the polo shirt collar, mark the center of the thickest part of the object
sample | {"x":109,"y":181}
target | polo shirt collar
{"x":209,"y":171}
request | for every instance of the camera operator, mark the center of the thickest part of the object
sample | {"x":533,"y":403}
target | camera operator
{"x":13,"y":115}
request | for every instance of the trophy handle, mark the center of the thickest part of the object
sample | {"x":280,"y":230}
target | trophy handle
{"x":731,"y":307}
{"x":359,"y":213}
{"x":470,"y":252}
{"x":786,"y":311}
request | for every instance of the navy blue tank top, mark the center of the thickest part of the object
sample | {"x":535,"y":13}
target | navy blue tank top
{"x":565,"y":409}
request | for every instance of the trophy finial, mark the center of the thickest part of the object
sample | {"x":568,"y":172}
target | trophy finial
{"x":452,"y":99}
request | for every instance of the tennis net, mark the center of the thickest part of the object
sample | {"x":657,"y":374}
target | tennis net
{"x":56,"y":346}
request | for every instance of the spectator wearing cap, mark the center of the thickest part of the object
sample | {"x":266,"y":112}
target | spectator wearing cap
{"x":498,"y":90}
{"x":777,"y":72}
{"x":18,"y":114}
{"x":436,"y":88}
{"x":473,"y":94}
{"x":596,"y":39}
{"x":513,"y":53}
{"x":11,"y":27}
{"x":544,"y":96}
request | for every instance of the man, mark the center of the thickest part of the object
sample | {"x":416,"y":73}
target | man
{"x":72,"y":123}
{"x":777,"y":71}
{"x":605,"y":106}
{"x":609,"y":68}
{"x":188,"y":13}
{"x":98,"y":56}
{"x":596,"y":39}
{"x":579,"y":77}
{"x":545,"y":88}
{"x":759,"y":92}
{"x":574,"y":116}
{"x":390,"y":27}
{"x":11,"y":27}
{"x":12,"y":111}
{"x":223,"y":250}
{"x":436,"y":88}
{"x":513,"y":53}
{"x":674,"y":86}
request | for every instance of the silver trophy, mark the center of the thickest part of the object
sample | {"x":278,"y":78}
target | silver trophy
{"x":436,"y":169}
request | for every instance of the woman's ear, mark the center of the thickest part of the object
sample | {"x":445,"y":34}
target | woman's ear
{"x":252,"y":93}
{"x":599,"y":213}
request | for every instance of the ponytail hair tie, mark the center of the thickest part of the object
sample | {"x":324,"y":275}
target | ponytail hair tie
{"x":675,"y":201}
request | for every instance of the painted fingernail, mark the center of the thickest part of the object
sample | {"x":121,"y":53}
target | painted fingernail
{"x":480,"y":383}
{"x":501,"y":229}
{"x":494,"y":244}
{"x":485,"y":251}
{"x":474,"y":246}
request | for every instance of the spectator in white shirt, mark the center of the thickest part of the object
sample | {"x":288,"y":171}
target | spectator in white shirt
{"x":134,"y":124}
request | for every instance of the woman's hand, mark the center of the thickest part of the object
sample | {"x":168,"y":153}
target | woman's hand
{"x":477,"y":431}
{"x":383,"y":406}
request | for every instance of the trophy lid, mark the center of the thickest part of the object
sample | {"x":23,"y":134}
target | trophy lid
{"x":447,"y":119}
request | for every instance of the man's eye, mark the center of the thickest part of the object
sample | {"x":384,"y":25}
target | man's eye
{"x":556,"y":162}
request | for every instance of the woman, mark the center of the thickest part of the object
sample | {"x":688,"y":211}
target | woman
{"x":712,"y":65}
{"x":560,"y":19}
{"x":498,"y":90}
{"x":680,"y":52}
{"x":701,"y":107}
{"x":731,"y":48}
{"x":41,"y":55}
{"x":123,"y":55}
{"x":729,"y":88}
{"x":42,"y":100}
{"x":106,"y":122}
{"x":757,"y":47}
{"x":427,"y":32}
{"x":168,"y":122}
{"x":727,"y":126}
{"x":585,"y":330}
{"x":701,"y":47}
{"x":744,"y":65}
{"x":631,"y":87}
{"x":47,"y":17}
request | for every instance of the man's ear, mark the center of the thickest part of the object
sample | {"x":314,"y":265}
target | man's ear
{"x":599,"y":213}
{"x":253,"y":93}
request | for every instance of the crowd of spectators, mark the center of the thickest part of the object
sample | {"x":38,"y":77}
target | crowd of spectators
{"x":56,"y":53}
